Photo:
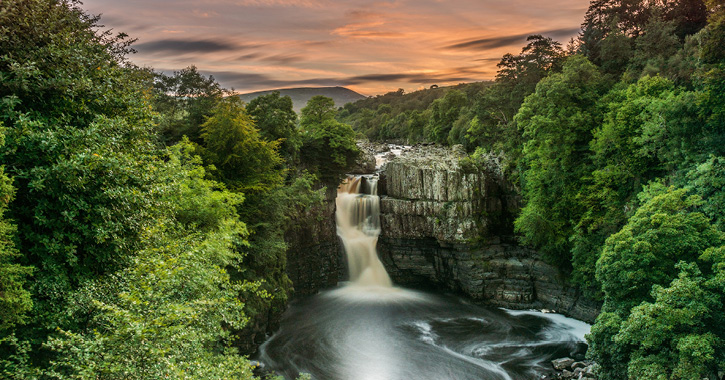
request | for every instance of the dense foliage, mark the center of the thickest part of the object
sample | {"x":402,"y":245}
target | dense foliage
{"x":141,"y":215}
{"x":617,"y":145}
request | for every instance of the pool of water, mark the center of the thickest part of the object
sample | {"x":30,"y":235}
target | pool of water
{"x":389,"y":333}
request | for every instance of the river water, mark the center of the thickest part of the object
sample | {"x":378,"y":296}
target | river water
{"x":368,"y":329}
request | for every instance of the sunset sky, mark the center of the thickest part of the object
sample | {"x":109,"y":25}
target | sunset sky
{"x":369,"y":46}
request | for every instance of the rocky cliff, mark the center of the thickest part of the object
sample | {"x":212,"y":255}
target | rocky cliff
{"x":451,"y":224}
{"x":314,"y":261}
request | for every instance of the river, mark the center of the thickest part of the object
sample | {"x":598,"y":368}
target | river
{"x":369,"y":329}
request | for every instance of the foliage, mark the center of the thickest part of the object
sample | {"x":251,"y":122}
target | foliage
{"x":622,"y":163}
{"x":275,"y":118}
{"x":494,"y":127}
{"x":635,"y":263}
{"x":631,"y":19}
{"x":329,"y":146}
{"x":557,"y":122}
{"x":162,"y":315}
{"x":679,"y":335}
{"x":241,"y":158}
{"x":125,"y":238}
{"x":397,"y":116}
{"x":708,"y":181}
{"x":15,"y":300}
{"x":444,"y":113}
{"x":183,"y":101}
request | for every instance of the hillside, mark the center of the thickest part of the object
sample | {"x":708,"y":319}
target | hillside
{"x":300,"y":96}
{"x":412,"y":117}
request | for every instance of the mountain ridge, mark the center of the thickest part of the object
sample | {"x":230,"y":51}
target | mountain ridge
{"x":301,"y":95}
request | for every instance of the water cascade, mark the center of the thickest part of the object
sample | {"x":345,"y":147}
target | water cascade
{"x":358,"y":225}
{"x":368,"y":329}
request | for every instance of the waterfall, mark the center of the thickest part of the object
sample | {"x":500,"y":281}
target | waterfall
{"x":358,"y":225}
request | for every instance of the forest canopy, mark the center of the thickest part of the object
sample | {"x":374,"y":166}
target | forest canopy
{"x":142,"y":214}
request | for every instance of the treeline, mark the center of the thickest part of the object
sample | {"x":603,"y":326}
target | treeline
{"x":617,"y":144}
{"x":420,"y":116}
{"x":141,"y":215}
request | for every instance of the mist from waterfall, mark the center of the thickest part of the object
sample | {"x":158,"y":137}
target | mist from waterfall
{"x":358,"y":225}
{"x":368,"y":329}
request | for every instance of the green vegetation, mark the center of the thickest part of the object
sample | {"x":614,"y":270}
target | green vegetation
{"x":141,"y":215}
{"x":617,"y":145}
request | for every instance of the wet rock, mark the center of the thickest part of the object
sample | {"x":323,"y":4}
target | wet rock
{"x":563,"y":363}
{"x":365,"y":164}
{"x":452,"y":225}
{"x":314,"y":261}
{"x":578,"y":365}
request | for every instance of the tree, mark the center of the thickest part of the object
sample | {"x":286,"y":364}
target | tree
{"x":444,"y":113}
{"x":93,"y":190}
{"x":318,"y":110}
{"x":557,"y":122}
{"x":665,"y":230}
{"x":493,"y":126}
{"x":329,"y":146}
{"x":621,"y":165}
{"x":708,"y":181}
{"x":184,"y":100}
{"x":242,"y":159}
{"x":679,"y":334}
{"x":276,"y":120}
{"x":15,"y":301}
{"x":169,"y":312}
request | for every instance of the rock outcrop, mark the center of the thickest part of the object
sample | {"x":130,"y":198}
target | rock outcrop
{"x":451,"y":224}
{"x":314,"y":261}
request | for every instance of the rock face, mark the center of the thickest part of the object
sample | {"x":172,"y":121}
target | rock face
{"x":451,"y":224}
{"x":314,"y":261}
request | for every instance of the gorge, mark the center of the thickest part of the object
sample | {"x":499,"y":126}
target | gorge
{"x":423,"y":223}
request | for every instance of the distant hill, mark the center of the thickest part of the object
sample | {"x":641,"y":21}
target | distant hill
{"x":300,"y":96}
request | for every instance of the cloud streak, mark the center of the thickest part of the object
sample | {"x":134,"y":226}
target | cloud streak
{"x":178,"y":46}
{"x":511,"y":40}
{"x":371,"y":46}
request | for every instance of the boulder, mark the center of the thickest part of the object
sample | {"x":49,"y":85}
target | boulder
{"x":562,"y":364}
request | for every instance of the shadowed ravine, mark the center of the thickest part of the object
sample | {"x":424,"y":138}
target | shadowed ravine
{"x":369,"y":329}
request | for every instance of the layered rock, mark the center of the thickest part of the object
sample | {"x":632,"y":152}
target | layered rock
{"x":451,"y":224}
{"x":314,"y":261}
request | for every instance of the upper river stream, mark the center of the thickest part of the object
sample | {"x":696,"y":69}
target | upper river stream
{"x":368,"y":329}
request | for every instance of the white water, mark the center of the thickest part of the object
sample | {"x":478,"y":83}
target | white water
{"x":358,"y":225}
{"x":371,"y":330}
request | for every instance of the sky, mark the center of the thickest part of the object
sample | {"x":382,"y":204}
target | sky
{"x":371,"y":47}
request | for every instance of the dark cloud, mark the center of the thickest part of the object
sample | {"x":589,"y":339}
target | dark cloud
{"x":497,"y":42}
{"x":249,"y":56}
{"x":283,"y":59}
{"x":255,"y":81}
{"x":190,"y":46}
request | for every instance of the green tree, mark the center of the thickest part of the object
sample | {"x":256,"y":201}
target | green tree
{"x":93,"y":191}
{"x":666,"y":229}
{"x":275,"y":118}
{"x":444,"y":113}
{"x":242,"y":159}
{"x":183,"y":101}
{"x":621,"y":166}
{"x":169,"y":312}
{"x":493,"y":126}
{"x":679,"y":335}
{"x":15,"y":300}
{"x":708,"y":181}
{"x":329,"y":146}
{"x":557,"y":122}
